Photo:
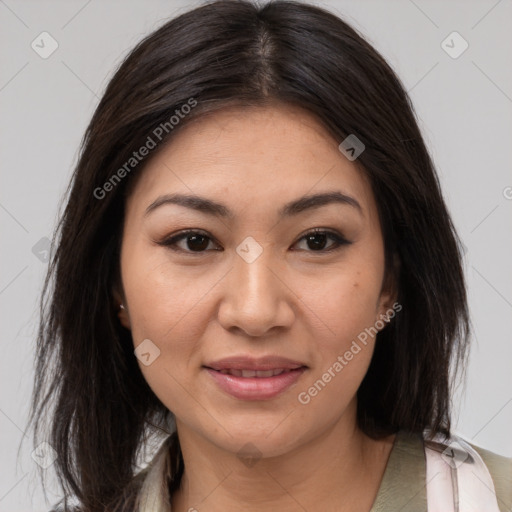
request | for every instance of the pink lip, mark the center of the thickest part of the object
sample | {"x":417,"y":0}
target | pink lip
{"x":256,"y":388}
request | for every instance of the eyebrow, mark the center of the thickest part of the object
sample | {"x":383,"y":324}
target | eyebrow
{"x":209,"y":207}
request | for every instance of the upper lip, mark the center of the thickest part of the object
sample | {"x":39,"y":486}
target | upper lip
{"x":250,"y":363}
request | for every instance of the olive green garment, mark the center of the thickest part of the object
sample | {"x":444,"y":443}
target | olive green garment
{"x":403,"y":486}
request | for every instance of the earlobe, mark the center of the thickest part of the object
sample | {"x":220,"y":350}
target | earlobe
{"x":384,"y":318}
{"x":389,"y":294}
{"x":121,"y":309}
{"x":387,"y":307}
{"x":123,"y":316}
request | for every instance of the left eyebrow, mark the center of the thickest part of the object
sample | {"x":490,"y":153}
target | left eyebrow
{"x":317,"y":201}
{"x":295,"y":207}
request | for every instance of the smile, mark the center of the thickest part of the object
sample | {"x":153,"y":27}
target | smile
{"x":255,"y":384}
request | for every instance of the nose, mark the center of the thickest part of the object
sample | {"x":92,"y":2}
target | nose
{"x":256,"y":298}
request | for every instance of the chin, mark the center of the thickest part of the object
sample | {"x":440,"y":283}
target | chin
{"x":251,"y":442}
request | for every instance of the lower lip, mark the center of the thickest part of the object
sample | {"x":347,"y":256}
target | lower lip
{"x":255,"y":388}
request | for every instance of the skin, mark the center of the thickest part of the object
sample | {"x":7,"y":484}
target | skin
{"x":293,"y":301}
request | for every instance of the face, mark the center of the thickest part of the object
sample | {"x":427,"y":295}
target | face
{"x":262,"y":273}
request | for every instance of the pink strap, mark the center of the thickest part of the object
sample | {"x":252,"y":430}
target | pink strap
{"x":457,"y":478}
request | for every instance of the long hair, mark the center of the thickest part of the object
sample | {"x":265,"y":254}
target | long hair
{"x":88,"y":384}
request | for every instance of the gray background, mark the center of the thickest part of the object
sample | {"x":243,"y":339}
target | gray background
{"x":464,"y":108}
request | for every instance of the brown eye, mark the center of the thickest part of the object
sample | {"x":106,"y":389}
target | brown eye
{"x":193,"y":242}
{"x":317,"y":240}
{"x":197,"y":242}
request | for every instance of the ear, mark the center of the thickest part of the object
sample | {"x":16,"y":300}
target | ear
{"x":122,"y":312}
{"x":387,"y":304}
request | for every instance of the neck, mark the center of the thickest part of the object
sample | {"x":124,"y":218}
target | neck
{"x":341,"y":469}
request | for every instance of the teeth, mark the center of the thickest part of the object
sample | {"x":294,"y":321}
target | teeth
{"x":253,"y":373}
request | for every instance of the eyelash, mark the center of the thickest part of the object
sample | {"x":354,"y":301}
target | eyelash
{"x":339,"y":240}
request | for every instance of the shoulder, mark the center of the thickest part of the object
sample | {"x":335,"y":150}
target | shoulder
{"x":500,"y":468}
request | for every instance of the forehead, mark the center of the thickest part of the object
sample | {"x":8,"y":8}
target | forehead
{"x":241,"y":155}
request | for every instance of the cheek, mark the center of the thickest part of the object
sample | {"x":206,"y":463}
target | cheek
{"x":163,"y":297}
{"x":168,"y":306}
{"x":346,"y":306}
{"x":344,"y":345}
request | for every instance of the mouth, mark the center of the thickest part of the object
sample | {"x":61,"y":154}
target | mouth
{"x":248,"y":384}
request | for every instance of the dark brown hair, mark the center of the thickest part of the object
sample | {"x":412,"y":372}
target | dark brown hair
{"x":239,"y":53}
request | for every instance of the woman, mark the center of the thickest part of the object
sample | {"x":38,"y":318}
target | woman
{"x":256,"y":262}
